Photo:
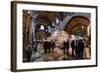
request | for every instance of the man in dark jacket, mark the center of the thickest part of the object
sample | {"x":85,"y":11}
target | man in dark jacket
{"x":80,"y":48}
{"x":52,"y":45}
{"x":66,"y":46}
{"x":47,"y":46}
{"x":76,"y":48}
{"x":73,"y":46}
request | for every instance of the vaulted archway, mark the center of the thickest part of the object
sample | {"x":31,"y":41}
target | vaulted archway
{"x":77,"y":25}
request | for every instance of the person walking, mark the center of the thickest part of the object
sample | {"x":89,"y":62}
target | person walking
{"x":80,"y":48}
{"x":66,"y":46}
{"x":73,"y":47}
{"x":52,"y":45}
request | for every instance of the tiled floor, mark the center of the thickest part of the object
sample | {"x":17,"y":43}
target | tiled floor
{"x":56,"y":55}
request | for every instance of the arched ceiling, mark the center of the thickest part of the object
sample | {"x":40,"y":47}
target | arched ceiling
{"x":47,"y":17}
{"x":77,"y":25}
